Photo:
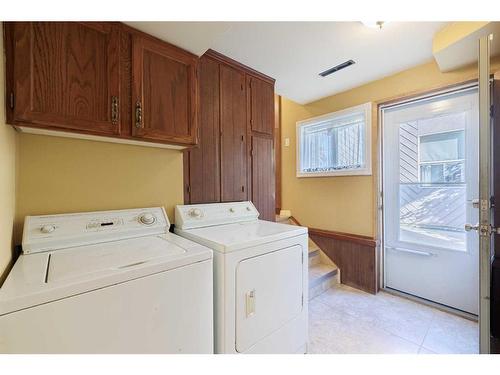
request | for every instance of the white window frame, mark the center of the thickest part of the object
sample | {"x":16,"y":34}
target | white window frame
{"x":367,"y":170}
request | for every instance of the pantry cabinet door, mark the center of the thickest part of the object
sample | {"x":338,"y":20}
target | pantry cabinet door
{"x":233,"y":135}
{"x":204,"y":160}
{"x":64,"y":75}
{"x":164,"y":92}
{"x":263,"y":177}
{"x":260,"y":105}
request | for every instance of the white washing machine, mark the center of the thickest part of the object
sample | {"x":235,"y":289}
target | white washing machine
{"x":260,"y":277}
{"x":107,"y":282}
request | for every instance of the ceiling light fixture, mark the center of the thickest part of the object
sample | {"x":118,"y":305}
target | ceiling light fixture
{"x":373,"y":24}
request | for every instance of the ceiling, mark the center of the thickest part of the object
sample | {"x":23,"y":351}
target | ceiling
{"x":295,"y":52}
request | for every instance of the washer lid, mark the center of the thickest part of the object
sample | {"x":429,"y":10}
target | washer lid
{"x":237,"y":236}
{"x":45,"y":277}
{"x":76,"y":263}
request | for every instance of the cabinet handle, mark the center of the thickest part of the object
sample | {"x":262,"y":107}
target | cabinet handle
{"x":138,"y":114}
{"x":114,"y":110}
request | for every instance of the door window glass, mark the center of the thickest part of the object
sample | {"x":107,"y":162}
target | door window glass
{"x":432,"y":181}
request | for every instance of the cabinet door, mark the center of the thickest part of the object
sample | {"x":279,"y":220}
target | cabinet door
{"x":204,"y":161}
{"x":233,"y":135}
{"x":263,"y":179}
{"x":66,"y":75}
{"x":164,"y":92}
{"x":260,"y":105}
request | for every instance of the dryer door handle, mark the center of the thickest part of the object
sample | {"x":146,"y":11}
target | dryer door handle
{"x":250,"y":303}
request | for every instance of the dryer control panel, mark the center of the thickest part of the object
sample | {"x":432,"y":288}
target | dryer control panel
{"x":205,"y":215}
{"x":53,"y":232}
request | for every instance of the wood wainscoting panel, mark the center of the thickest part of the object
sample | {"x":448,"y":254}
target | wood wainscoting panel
{"x":354,"y":255}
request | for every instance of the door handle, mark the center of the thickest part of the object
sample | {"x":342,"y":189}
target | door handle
{"x":416,"y":252}
{"x":470,"y":227}
{"x":483,"y":230}
{"x":250,"y":303}
{"x":138,"y":114}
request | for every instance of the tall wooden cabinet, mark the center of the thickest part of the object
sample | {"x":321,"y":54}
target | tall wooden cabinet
{"x":233,"y":151}
{"x":260,"y":113}
{"x":234,"y":160}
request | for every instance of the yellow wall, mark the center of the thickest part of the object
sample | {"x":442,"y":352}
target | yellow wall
{"x":59,"y":175}
{"x":347,"y":204}
{"x":7,"y":178}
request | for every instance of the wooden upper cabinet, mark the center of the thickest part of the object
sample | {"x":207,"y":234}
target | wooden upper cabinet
{"x":233,"y":135}
{"x":64,"y":75}
{"x":204,"y":160}
{"x":260,"y":105}
{"x":164,"y":92}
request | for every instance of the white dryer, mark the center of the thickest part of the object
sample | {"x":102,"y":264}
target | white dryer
{"x":260,"y":277}
{"x":107,"y":282}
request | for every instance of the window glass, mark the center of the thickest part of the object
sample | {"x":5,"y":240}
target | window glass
{"x":333,"y":144}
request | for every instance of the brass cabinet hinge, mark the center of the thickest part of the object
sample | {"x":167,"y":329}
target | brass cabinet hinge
{"x":11,"y":100}
{"x":188,"y":188}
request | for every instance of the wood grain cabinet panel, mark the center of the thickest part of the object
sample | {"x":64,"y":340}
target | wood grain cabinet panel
{"x":164,"y":92}
{"x":263,"y":179}
{"x":261,"y":105}
{"x":64,"y":75}
{"x":233,"y":135}
{"x":204,"y":160}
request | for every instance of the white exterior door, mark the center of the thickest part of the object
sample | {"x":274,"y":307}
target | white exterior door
{"x":430,"y":189}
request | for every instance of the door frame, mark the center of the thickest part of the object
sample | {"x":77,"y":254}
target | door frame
{"x":423,"y":96}
{"x":485,"y":230}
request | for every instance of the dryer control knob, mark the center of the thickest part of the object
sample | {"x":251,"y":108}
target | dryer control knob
{"x":147,"y":219}
{"x":195,"y":212}
{"x":48,"y":228}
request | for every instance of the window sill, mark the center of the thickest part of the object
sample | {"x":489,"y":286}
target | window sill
{"x":359,"y":172}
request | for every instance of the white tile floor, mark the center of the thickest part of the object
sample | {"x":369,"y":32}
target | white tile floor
{"x":346,"y":320}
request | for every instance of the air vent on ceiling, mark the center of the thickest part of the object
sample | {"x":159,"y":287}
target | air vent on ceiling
{"x":337,"y":68}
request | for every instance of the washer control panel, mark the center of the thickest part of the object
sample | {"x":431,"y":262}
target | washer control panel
{"x":52,"y":232}
{"x":205,"y":215}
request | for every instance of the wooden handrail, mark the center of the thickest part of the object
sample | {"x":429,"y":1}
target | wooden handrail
{"x":341,"y":236}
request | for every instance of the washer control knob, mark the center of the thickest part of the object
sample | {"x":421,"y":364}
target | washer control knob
{"x":231,"y":209}
{"x":147,"y":219}
{"x":195,"y":212}
{"x":47,"y":228}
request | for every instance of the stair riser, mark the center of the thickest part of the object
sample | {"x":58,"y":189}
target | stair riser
{"x":314,"y":259}
{"x":323,"y":286}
